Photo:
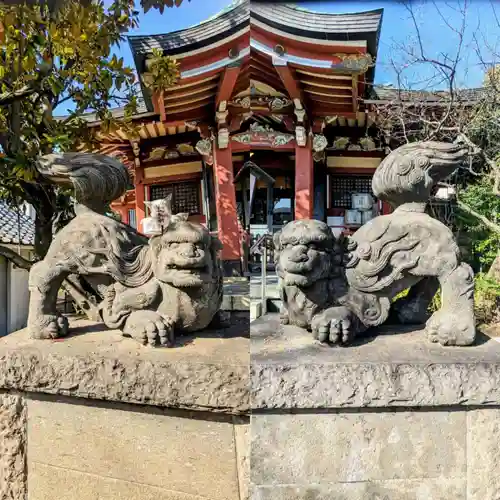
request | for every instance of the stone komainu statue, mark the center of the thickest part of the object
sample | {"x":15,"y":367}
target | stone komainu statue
{"x":338,"y":295}
{"x":148,"y":288}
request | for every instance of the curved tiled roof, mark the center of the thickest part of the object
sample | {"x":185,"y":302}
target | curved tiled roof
{"x":218,"y":27}
{"x":321,"y":25}
{"x":283,"y":16}
{"x":389,"y":93}
{"x":14,"y":229}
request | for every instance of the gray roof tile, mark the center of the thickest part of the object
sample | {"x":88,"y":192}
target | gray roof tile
{"x":118,"y":112}
{"x":231,"y":19}
{"x":325,"y":25}
{"x":389,"y":93}
{"x":15,"y":230}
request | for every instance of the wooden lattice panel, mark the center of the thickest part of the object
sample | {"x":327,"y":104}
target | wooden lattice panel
{"x":185,"y":196}
{"x":343,"y":186}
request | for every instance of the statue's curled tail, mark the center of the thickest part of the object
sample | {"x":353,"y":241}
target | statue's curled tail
{"x":409,"y":173}
{"x":97,"y":179}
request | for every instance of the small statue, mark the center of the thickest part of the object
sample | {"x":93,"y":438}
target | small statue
{"x":149,"y":289}
{"x":406,"y":249}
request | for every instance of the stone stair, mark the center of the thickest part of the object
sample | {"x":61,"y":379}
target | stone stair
{"x":236,"y":295}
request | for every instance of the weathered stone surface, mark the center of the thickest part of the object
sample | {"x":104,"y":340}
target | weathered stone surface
{"x":242,"y":439}
{"x":12,"y":447}
{"x":151,"y":289}
{"x":241,"y":303}
{"x":74,"y":485}
{"x":339,"y":288}
{"x":353,"y":447}
{"x":166,"y":450}
{"x":289,"y":369}
{"x":483,"y":454}
{"x":209,"y":373}
{"x":417,"y":489}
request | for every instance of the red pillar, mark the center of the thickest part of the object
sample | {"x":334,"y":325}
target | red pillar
{"x":225,"y":202}
{"x":120,"y":210}
{"x":304,"y":181}
{"x":124,"y":212}
{"x":139,"y":198}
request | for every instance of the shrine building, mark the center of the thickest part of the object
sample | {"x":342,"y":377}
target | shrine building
{"x":267,"y":122}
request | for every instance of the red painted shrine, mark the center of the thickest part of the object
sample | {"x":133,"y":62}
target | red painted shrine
{"x":268,"y":88}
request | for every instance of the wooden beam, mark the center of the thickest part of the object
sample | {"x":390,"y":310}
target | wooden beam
{"x":325,"y":73}
{"x":188,"y":93}
{"x":337,"y":93}
{"x":289,"y":80}
{"x":354,"y":93}
{"x":191,"y":83}
{"x":325,"y":84}
{"x":227,"y":83}
{"x":264,"y":76}
{"x":333,"y":100}
{"x":190,"y":100}
{"x":197,"y":105}
{"x":161,"y":101}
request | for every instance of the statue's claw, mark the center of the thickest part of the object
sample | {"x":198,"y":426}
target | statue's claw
{"x":150,"y":328}
{"x":334,"y":326}
{"x":284,"y":319}
{"x":50,"y":327}
{"x":451,"y":329}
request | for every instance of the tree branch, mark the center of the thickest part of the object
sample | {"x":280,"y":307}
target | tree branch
{"x":16,"y":95}
{"x":491,"y":225}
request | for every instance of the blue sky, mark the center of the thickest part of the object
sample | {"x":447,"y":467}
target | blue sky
{"x":397,"y":28}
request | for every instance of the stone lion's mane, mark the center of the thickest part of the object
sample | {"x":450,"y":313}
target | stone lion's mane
{"x":133,"y":268}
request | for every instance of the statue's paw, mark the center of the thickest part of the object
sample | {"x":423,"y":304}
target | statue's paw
{"x":50,"y":326}
{"x":284,"y":319}
{"x":150,"y":328}
{"x":334,"y":326}
{"x":450,"y":329}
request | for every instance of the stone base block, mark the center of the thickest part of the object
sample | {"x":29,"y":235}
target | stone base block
{"x":99,"y":417}
{"x":107,"y":452}
{"x":391,"y":418}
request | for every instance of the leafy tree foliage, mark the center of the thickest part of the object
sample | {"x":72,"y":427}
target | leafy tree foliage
{"x":53,"y":52}
{"x":484,"y":241}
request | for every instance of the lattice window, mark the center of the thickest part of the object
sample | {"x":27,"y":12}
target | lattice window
{"x":186,"y":196}
{"x":343,"y":186}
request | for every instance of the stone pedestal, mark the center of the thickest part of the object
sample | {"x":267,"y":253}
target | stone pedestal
{"x":98,"y":417}
{"x":392,"y":418}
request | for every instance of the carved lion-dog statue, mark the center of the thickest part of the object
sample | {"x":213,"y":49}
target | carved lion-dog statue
{"x":339,"y":289}
{"x":148,"y":288}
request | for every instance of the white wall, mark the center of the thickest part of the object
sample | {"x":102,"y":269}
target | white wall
{"x":3,"y":296}
{"x":18,"y":298}
{"x":14,"y":296}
